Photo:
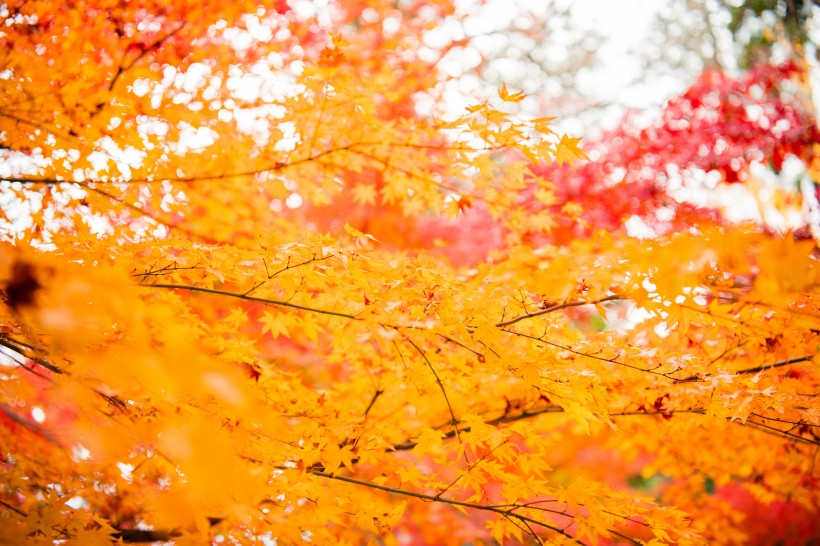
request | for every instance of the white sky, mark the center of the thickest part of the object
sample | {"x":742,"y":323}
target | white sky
{"x":625,"y":24}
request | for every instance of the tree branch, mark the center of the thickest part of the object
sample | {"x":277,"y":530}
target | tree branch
{"x":756,"y":369}
{"x":278,"y":166}
{"x":553,"y":308}
{"x":505,"y":512}
{"x":453,"y":421}
{"x":122,"y":69}
{"x":249,"y":298}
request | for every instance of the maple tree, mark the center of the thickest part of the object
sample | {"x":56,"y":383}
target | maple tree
{"x":261,"y":286}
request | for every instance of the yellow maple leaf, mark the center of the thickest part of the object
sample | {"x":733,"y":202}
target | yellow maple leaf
{"x":428,"y":441}
{"x":568,"y":150}
{"x":364,"y":194}
{"x":545,"y":196}
{"x":572,"y":209}
{"x":309,"y":327}
{"x":275,"y":323}
{"x":358,"y":234}
{"x":338,"y":41}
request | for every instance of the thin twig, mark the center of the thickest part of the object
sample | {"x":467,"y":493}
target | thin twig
{"x":123,"y":69}
{"x":454,"y":421}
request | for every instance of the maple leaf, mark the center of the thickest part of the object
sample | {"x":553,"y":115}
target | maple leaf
{"x":507,"y":97}
{"x":309,"y":327}
{"x":358,"y":234}
{"x":428,"y":441}
{"x":567,"y":150}
{"x":364,"y":194}
{"x":545,"y":196}
{"x":275,"y":323}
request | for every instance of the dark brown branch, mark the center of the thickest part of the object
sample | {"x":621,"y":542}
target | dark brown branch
{"x":278,"y":166}
{"x":778,"y":432}
{"x":29,"y":425}
{"x":775,"y":365}
{"x":136,"y":536}
{"x":553,"y":308}
{"x":756,"y":369}
{"x":453,"y":421}
{"x":13,"y":509}
{"x":147,"y":214}
{"x":125,"y":535}
{"x":38,"y":126}
{"x":122,"y":69}
{"x":10,"y":344}
{"x":800,"y":423}
{"x":373,"y":401}
{"x":529,"y":414}
{"x":249,"y":298}
{"x":612,"y":360}
{"x":505,"y":512}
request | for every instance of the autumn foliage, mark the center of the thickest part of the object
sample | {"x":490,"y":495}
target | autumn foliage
{"x":260,"y":285}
